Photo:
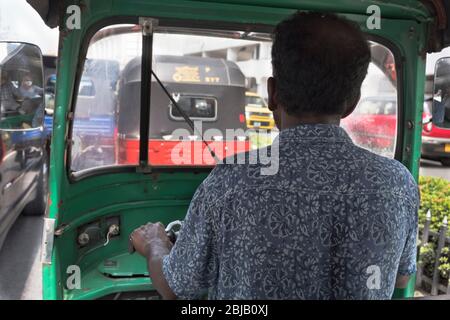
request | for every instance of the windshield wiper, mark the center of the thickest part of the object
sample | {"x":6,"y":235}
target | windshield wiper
{"x":185,"y":117}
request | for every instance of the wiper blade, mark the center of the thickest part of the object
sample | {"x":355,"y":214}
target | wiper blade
{"x":185,"y":117}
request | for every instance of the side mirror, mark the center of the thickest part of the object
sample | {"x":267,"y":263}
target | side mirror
{"x":21,"y":86}
{"x":441,"y":94}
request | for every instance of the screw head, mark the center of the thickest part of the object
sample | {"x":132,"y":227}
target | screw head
{"x":83,"y":239}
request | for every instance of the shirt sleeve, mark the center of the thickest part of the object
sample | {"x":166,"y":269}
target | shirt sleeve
{"x":408,"y":258}
{"x":191,"y":267}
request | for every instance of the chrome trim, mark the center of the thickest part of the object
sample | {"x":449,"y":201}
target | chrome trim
{"x":435,"y":140}
{"x":40,"y":128}
{"x":47,"y":241}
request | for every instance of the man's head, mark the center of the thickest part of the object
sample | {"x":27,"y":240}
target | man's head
{"x":27,"y":81}
{"x":319,"y":63}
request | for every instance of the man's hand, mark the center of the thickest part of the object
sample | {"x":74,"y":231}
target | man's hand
{"x":149,"y":236}
{"x":151,"y":241}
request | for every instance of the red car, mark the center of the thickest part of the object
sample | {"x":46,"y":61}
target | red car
{"x":435,"y":141}
{"x":373,"y":124}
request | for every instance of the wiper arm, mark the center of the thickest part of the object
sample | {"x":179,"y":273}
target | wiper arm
{"x":185,"y":117}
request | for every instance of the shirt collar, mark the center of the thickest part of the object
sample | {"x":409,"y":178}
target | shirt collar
{"x":315,"y":132}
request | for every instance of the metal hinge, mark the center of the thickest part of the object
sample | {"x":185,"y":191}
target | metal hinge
{"x":148,"y":25}
{"x":47,"y":241}
{"x":69,"y":142}
{"x":144,"y":169}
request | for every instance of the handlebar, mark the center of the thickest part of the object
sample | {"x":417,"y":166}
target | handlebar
{"x":172,"y":231}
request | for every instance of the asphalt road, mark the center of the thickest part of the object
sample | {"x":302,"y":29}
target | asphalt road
{"x":434,"y":169}
{"x":20,"y":269}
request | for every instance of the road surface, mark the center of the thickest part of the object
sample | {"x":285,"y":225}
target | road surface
{"x":20,"y":270}
{"x":434,"y":169}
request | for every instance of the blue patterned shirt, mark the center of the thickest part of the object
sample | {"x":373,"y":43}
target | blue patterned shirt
{"x":334,"y":222}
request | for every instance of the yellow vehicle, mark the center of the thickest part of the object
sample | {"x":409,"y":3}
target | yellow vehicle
{"x":257,"y":114}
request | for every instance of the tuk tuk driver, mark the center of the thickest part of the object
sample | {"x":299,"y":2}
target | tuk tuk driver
{"x":9,"y":94}
{"x":28,"y":89}
{"x":335,"y":222}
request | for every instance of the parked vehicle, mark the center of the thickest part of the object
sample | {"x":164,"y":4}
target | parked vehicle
{"x":23,"y":160}
{"x":257,"y":114}
{"x":435,"y":140}
{"x":93,"y":211}
{"x":373,"y":124}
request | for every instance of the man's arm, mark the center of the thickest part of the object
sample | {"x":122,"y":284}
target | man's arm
{"x":401,"y":282}
{"x":156,"y":274}
{"x":407,"y":265}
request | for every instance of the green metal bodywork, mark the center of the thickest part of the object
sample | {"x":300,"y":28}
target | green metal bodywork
{"x":137,"y":197}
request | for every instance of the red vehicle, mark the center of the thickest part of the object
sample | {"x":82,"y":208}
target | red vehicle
{"x":373,"y":124}
{"x":435,"y":140}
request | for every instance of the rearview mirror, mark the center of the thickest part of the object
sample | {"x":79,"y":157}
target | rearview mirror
{"x":21,"y":86}
{"x":441,"y":94}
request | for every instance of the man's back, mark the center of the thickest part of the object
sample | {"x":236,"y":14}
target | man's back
{"x":335,"y":222}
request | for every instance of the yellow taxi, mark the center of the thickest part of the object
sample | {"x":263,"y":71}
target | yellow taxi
{"x":257,"y":114}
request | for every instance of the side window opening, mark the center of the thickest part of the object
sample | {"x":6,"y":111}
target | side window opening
{"x":373,"y":124}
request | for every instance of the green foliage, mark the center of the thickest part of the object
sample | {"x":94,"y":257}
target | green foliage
{"x":427,"y":258}
{"x":435,"y":196}
{"x":444,"y":267}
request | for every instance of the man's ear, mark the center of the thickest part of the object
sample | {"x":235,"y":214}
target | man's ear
{"x":272,"y":94}
{"x":350,"y":107}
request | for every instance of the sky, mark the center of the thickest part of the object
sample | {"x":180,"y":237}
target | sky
{"x":19,"y":22}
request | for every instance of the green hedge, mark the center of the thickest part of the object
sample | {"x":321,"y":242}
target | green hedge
{"x":435,"y":196}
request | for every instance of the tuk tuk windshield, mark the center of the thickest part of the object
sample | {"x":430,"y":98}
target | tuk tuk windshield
{"x":215,"y":78}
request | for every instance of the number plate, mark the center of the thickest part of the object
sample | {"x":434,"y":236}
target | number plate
{"x":257,"y":124}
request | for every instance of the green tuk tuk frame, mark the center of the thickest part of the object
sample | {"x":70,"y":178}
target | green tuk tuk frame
{"x":410,"y":29}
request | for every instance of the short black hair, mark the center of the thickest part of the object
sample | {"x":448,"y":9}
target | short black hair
{"x":319,"y":62}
